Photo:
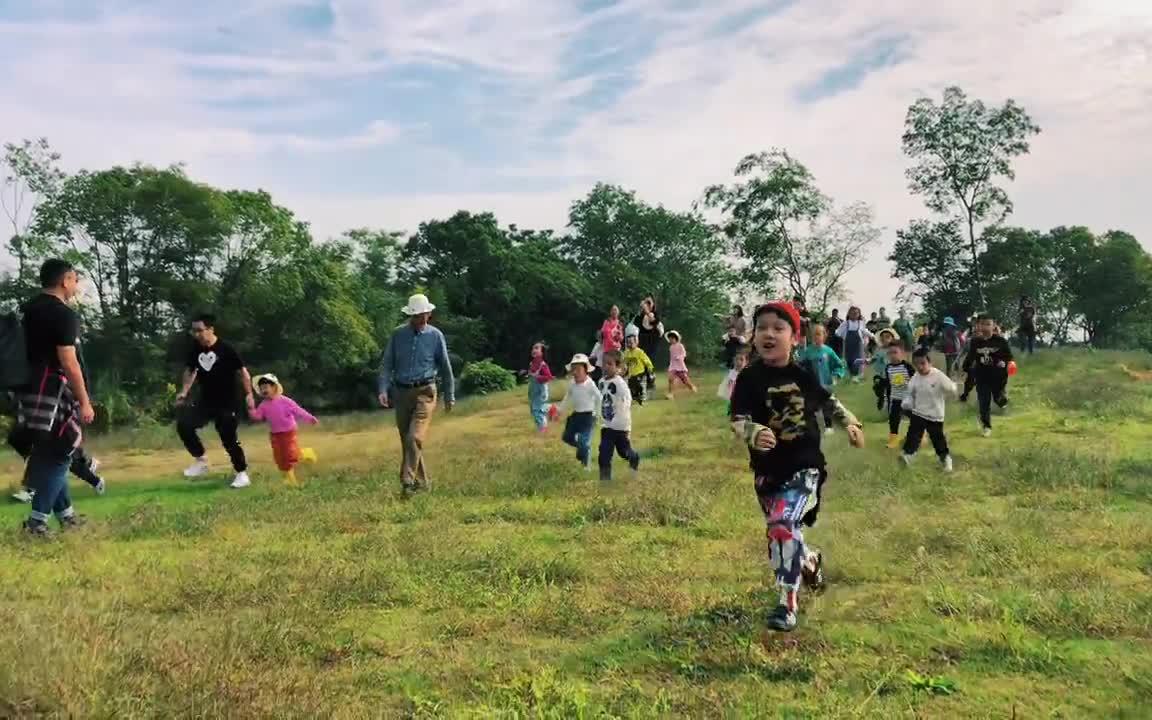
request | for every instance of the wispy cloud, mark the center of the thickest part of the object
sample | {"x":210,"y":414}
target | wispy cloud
{"x":387,"y":111}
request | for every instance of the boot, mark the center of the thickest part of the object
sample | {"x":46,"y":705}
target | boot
{"x":893,"y":441}
{"x":308,"y":455}
{"x":290,"y":478}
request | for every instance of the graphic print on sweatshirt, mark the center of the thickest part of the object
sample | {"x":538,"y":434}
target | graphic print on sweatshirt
{"x":785,"y":411}
{"x":608,"y":401}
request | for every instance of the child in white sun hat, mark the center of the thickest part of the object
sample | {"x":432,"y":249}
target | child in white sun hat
{"x":582,"y":402}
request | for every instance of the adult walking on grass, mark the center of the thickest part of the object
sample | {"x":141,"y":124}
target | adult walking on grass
{"x":218,"y":370}
{"x":52,"y":406}
{"x":415,"y":355}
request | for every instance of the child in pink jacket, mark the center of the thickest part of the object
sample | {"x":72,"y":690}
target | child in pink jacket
{"x":281,"y":413}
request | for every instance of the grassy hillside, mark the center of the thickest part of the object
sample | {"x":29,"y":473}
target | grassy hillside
{"x":1020,"y":586}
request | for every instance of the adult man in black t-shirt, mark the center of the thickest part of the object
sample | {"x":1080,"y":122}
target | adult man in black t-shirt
{"x":51,"y":408}
{"x":214,"y":366}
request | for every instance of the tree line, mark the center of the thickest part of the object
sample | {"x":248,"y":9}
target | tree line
{"x":157,"y":246}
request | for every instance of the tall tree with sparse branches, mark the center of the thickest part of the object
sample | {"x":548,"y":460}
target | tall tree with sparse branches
{"x":960,"y":149}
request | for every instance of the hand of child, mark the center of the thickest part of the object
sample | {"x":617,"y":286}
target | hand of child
{"x":856,"y":436}
{"x":765,"y":439}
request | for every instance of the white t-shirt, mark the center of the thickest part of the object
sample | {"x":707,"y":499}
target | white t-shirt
{"x":926,"y":394}
{"x":616,"y":404}
{"x":581,"y":397}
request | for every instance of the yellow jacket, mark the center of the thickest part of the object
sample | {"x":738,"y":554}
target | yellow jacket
{"x":637,"y":362}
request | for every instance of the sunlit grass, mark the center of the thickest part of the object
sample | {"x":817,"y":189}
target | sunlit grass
{"x":522,"y":587}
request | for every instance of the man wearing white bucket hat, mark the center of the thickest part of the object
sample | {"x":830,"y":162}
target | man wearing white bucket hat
{"x":416,"y":354}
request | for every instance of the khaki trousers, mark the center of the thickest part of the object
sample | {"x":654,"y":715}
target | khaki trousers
{"x":414,"y":408}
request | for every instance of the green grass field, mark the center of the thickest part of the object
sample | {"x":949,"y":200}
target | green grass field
{"x":1020,"y":586}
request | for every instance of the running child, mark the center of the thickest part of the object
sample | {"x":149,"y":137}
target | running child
{"x":582,"y":402}
{"x":677,"y":364}
{"x":951,"y":344}
{"x":539,"y":375}
{"x":774,"y":406}
{"x":281,"y":413}
{"x":897,"y":374}
{"x":638,"y":367}
{"x":924,"y":402}
{"x":856,"y":336}
{"x":616,"y":416}
{"x":823,"y":362}
{"x":988,"y":360}
{"x":739,"y":362}
{"x":884,"y":338}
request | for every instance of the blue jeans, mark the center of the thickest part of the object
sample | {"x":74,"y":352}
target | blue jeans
{"x":538,"y":403}
{"x":578,"y":433}
{"x":48,"y":477}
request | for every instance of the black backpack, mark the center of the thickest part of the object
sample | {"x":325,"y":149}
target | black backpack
{"x":14,"y":369}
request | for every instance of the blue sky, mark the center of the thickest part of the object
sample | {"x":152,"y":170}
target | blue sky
{"x":388,"y":112}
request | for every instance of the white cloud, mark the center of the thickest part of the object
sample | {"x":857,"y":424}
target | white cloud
{"x":147,"y":82}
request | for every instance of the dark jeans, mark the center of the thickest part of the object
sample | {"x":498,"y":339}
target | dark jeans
{"x":619,"y":442}
{"x":578,"y":433}
{"x":917,"y":426}
{"x":47,"y":476}
{"x":227,"y":426}
{"x":1028,"y":340}
{"x":732,"y":347}
{"x":81,"y":465}
{"x":895,"y":412}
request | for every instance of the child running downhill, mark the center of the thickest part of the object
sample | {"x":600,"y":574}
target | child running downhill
{"x":925,"y":403}
{"x":774,"y":407}
{"x":616,"y":413}
{"x":855,"y":334}
{"x":281,"y":413}
{"x":539,"y":375}
{"x":582,"y":401}
{"x":884,"y":338}
{"x":988,"y":359}
{"x":677,"y":364}
{"x":897,"y":373}
{"x":823,"y":362}
{"x":638,"y":367}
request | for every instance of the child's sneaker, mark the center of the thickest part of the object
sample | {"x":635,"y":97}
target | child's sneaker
{"x":308,"y":455}
{"x":812,"y":571}
{"x":963,"y":397}
{"x":73,"y":522}
{"x":893,"y":441}
{"x":986,"y":431}
{"x":242,"y":481}
{"x":23,"y":495}
{"x":197,"y":469}
{"x":782,"y":619}
{"x":100,"y":485}
{"x":36,"y":528}
{"x":906,"y":459}
{"x":947,"y":463}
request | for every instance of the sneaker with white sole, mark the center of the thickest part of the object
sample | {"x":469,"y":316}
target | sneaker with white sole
{"x":829,"y":431}
{"x":24,"y":495}
{"x":100,"y":486}
{"x":197,"y":469}
{"x":906,"y":459}
{"x":986,"y":432}
{"x":947,"y":463}
{"x":242,"y":480}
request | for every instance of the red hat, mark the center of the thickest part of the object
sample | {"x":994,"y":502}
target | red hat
{"x":784,"y":309}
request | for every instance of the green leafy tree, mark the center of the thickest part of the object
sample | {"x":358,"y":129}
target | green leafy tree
{"x":30,"y":173}
{"x":960,"y":150}
{"x":926,"y":260}
{"x":1108,"y":281}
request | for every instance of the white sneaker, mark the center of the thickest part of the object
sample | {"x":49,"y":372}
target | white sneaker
{"x":906,"y":459}
{"x":986,"y":432}
{"x":100,"y":487}
{"x":24,"y":495}
{"x":241,"y":481}
{"x":196,"y":469}
{"x":947,"y":462}
{"x":829,"y":431}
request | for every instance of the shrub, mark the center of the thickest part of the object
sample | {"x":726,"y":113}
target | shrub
{"x":485,"y":376}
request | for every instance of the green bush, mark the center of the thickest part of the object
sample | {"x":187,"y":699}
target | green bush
{"x":485,"y":376}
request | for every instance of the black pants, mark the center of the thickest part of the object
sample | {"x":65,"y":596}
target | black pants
{"x":916,"y":428}
{"x":619,"y":442}
{"x":638,"y":386}
{"x":895,"y":412}
{"x":81,"y":464}
{"x":732,"y":347}
{"x":878,"y":390}
{"x":193,"y":418}
{"x":991,"y":387}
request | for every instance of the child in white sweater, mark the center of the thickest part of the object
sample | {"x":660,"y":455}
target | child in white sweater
{"x":924,"y":401}
{"x":582,"y":401}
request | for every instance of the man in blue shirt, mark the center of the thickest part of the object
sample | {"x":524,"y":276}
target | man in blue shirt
{"x":416,"y":354}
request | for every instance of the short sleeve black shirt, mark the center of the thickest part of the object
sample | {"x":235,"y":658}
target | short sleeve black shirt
{"x":216,"y":368}
{"x":48,"y":324}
